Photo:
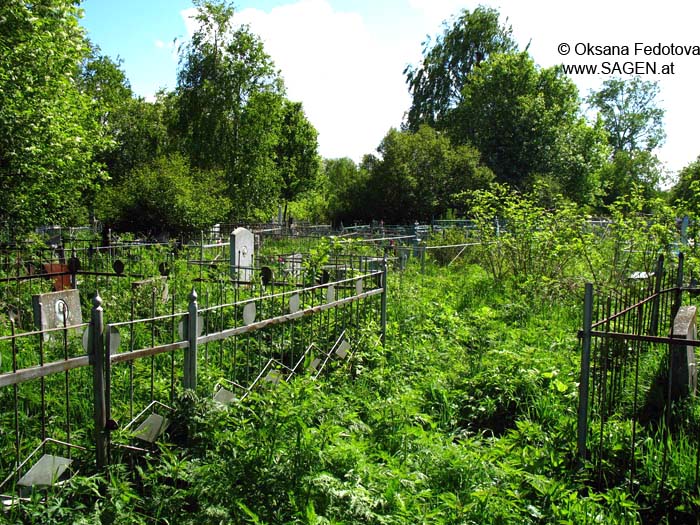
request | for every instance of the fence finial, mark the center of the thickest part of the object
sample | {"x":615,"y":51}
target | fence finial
{"x":97,"y":300}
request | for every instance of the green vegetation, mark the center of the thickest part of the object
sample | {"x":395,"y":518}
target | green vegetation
{"x":468,"y":413}
{"x":482,"y":110}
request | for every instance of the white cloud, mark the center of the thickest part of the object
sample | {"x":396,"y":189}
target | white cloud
{"x":159,"y":44}
{"x":348,"y":70}
{"x":350,"y":84}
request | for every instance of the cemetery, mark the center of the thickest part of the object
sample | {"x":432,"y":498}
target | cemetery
{"x":489,"y":316}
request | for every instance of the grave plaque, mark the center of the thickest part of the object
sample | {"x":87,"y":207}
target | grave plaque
{"x":151,"y":428}
{"x":294,"y":303}
{"x":249,"y":314}
{"x":293,"y":264}
{"x":56,"y":310}
{"x":242,"y":254}
{"x":46,"y":471}
{"x":684,"y":375}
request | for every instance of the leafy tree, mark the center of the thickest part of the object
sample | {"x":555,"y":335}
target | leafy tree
{"x":344,"y":185}
{"x":630,"y":115}
{"x":48,"y":129}
{"x":419,"y":176}
{"x":165,"y":196}
{"x":628,"y":170}
{"x":527,"y":124}
{"x":230,"y":100}
{"x":135,"y":129}
{"x":436,"y":86}
{"x":297,"y":160}
{"x":686,"y":190}
{"x":634,"y":127}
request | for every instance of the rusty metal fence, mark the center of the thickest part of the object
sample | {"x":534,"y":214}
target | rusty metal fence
{"x":69,"y":395}
{"x":637,"y":365}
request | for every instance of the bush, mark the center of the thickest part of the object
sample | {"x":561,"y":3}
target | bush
{"x":164,"y":197}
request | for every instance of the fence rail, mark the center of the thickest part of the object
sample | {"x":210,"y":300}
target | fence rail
{"x":128,"y":365}
{"x":637,"y":363}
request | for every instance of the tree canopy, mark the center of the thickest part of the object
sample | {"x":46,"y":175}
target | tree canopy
{"x":436,"y":86}
{"x":49,"y":133}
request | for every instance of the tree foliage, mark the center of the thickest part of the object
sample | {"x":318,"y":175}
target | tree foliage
{"x":436,"y":86}
{"x":48,"y":131}
{"x":630,"y":114}
{"x":526,"y":122}
{"x":419,"y":176}
{"x":296,"y":157}
{"x":165,"y":196}
{"x":230,"y":100}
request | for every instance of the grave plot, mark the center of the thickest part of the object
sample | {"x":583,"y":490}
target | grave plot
{"x":46,"y":399}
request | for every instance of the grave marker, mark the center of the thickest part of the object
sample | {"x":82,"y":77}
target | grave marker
{"x":683,"y":365}
{"x":242,"y":247}
{"x":56,"y":310}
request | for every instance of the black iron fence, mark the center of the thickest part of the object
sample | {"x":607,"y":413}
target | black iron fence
{"x":69,"y":395}
{"x":637,"y":375}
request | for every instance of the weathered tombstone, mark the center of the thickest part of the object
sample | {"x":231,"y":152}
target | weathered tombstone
{"x":684,"y":375}
{"x":242,"y":254}
{"x":56,"y":310}
{"x":293,"y":264}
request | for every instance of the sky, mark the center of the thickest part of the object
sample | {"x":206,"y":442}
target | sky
{"x":344,"y":59}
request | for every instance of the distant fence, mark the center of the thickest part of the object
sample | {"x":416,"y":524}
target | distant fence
{"x":637,"y":361}
{"x":67,"y":393}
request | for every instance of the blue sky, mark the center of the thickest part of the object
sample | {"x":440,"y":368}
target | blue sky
{"x":344,"y":59}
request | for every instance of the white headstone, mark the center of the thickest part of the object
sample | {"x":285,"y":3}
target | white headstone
{"x":242,"y":254}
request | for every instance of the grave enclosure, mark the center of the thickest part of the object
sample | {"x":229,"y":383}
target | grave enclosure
{"x":74,"y":388}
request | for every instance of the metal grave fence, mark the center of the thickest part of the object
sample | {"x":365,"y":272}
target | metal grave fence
{"x":637,"y":364}
{"x":69,"y":395}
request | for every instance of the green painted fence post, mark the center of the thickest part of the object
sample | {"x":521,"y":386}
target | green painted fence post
{"x":385,"y":274}
{"x":97,"y":354}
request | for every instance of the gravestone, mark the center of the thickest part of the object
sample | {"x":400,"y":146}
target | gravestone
{"x":684,"y":375}
{"x":242,"y":247}
{"x":60,"y":274}
{"x":46,"y":471}
{"x":56,"y":310}
{"x":293,"y":264}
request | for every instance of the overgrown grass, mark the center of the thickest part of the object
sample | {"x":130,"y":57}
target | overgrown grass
{"x":466,"y":416}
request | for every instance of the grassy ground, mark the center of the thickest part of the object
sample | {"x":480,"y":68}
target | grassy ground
{"x":467,"y":415}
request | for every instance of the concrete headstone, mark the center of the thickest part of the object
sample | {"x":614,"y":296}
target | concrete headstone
{"x":56,"y":310}
{"x":242,"y":254}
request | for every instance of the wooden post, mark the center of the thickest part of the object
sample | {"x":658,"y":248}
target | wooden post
{"x":97,"y":354}
{"x":190,"y":373}
{"x":585,"y":371}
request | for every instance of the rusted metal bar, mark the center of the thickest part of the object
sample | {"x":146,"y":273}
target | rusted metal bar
{"x":646,"y":338}
{"x":636,"y":305}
